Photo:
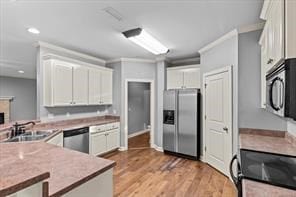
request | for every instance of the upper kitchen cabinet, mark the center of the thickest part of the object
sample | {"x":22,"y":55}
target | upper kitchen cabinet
{"x":75,"y":84}
{"x":100,"y":86}
{"x":183,"y":77}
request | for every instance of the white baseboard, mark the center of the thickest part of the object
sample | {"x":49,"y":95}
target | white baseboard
{"x":202,"y":158}
{"x":122,"y":148}
{"x":138,"y":133}
{"x":158,"y":148}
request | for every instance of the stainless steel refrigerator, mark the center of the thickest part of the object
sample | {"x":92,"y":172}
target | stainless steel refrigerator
{"x":181,"y":122}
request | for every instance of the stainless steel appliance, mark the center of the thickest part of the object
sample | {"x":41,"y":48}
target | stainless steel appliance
{"x":181,"y":122}
{"x":77,"y":139}
{"x":270,"y":168}
{"x":281,"y":90}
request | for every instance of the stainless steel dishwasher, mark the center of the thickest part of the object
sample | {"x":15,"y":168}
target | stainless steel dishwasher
{"x":77,"y":139}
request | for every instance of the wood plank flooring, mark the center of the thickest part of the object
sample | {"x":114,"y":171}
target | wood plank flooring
{"x":140,"y":141}
{"x":148,"y":173}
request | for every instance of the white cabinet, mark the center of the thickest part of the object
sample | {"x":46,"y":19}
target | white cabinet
{"x":98,"y":143}
{"x":112,"y":139}
{"x":106,"y":87}
{"x":183,"y":77}
{"x":274,"y":35}
{"x":94,"y":87}
{"x":175,"y":79}
{"x":73,"y":84}
{"x":104,"y":138}
{"x":80,"y":85}
{"x":62,"y":83}
{"x":100,"y":87}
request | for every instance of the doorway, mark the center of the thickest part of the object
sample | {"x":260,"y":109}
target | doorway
{"x":139,"y":114}
{"x":218,"y":118}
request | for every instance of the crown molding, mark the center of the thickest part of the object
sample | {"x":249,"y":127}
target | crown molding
{"x":131,"y":60}
{"x":250,"y":28}
{"x":61,"y":49}
{"x":219,"y":41}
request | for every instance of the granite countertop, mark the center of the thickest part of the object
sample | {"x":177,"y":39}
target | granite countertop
{"x":272,"y":142}
{"x":24,"y":164}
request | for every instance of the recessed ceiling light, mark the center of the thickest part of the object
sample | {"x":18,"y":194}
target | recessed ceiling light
{"x":33,"y":30}
{"x":21,"y":71}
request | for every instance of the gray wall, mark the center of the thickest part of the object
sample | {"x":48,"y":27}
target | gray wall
{"x":138,"y":106}
{"x":23,"y":106}
{"x":251,"y":115}
{"x":128,"y":70}
{"x":56,"y":113}
{"x":222,"y":55}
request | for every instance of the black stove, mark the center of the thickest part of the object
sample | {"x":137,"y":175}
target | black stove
{"x":275,"y":169}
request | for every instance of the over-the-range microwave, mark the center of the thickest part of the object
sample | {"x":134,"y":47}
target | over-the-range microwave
{"x":281,"y":90}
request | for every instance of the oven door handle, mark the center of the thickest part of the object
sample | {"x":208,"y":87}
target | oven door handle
{"x":235,"y":179}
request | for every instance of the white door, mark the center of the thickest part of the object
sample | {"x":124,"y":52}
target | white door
{"x":98,"y":143}
{"x":106,"y":87}
{"x":112,"y":139}
{"x":175,"y":79}
{"x":62,"y":81}
{"x":80,"y":85}
{"x":94,"y":86}
{"x":218,"y":121}
{"x":192,"y":78}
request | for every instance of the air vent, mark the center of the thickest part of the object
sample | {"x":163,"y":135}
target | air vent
{"x":113,"y":13}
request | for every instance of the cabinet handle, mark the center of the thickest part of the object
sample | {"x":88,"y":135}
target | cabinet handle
{"x":269,"y":61}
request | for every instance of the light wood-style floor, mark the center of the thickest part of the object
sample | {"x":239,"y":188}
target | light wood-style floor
{"x":145,"y":172}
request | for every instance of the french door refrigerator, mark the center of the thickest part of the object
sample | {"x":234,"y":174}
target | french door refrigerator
{"x":181,"y":122}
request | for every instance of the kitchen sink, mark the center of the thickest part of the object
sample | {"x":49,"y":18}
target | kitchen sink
{"x":30,"y":136}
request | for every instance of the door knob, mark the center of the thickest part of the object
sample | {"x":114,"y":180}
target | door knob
{"x":225,"y":129}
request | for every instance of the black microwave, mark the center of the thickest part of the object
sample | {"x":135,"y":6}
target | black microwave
{"x":281,"y":90}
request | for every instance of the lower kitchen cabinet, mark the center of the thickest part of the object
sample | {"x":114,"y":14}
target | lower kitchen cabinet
{"x":103,"y":138}
{"x":112,"y":139}
{"x":97,"y":143}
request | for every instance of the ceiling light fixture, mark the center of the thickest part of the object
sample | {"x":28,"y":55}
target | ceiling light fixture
{"x":21,"y":71}
{"x":33,"y":30}
{"x":145,"y":40}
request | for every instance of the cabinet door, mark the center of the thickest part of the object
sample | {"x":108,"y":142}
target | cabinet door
{"x":98,"y":143}
{"x":80,"y":85}
{"x":94,"y":86}
{"x":106,"y":87}
{"x":192,"y":78}
{"x":112,"y":139}
{"x":175,"y":79}
{"x":278,"y":31}
{"x":62,"y":84}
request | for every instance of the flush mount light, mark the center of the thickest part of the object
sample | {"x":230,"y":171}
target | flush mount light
{"x":145,"y":40}
{"x":21,"y":71}
{"x":33,"y":30}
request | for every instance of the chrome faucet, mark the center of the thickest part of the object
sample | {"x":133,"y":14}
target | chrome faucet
{"x":19,"y":129}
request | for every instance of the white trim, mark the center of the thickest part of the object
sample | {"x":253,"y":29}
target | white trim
{"x":157,"y":148}
{"x":61,"y":49}
{"x":122,"y":148}
{"x":10,"y":98}
{"x":131,"y":60}
{"x":250,"y":28}
{"x":265,"y":9}
{"x":202,"y":158}
{"x":47,"y":56}
{"x":138,"y":133}
{"x":227,"y":69}
{"x":219,"y":41}
{"x":184,"y":67}
{"x":152,"y":107}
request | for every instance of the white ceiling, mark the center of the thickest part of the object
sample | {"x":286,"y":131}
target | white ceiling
{"x":82,"y":25}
